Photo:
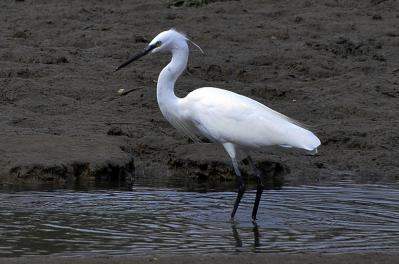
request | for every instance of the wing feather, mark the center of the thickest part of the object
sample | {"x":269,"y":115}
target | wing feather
{"x":226,"y":116}
{"x":183,"y":127}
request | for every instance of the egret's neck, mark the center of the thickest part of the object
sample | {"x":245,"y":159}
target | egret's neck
{"x":168,"y":76}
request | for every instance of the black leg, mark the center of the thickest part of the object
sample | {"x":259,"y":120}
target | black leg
{"x":241,"y":190}
{"x":259,"y":188}
{"x":240,"y":186}
{"x":231,"y":150}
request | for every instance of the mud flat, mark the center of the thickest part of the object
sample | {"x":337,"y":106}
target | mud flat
{"x":215,"y":259}
{"x":330,"y":64}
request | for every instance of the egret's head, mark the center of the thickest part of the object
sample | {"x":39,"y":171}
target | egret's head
{"x":164,"y":41}
{"x":168,"y":40}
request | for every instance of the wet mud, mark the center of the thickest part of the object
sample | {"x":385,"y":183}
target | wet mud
{"x":332,"y":65}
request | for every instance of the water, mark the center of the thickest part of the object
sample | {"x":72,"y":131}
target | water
{"x":332,"y":218}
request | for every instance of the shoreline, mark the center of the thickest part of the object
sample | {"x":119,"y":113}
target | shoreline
{"x":214,"y":259}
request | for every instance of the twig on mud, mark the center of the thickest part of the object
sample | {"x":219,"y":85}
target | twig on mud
{"x":122,"y":92}
{"x":120,"y":123}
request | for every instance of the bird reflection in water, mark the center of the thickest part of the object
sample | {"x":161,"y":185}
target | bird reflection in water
{"x":237,"y":237}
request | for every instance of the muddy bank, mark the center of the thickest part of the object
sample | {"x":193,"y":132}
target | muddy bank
{"x":215,"y":259}
{"x":332,"y":65}
{"x":62,"y":161}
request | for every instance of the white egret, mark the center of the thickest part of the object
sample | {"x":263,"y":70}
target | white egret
{"x":224,"y":117}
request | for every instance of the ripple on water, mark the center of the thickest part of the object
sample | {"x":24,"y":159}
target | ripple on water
{"x":324,"y":219}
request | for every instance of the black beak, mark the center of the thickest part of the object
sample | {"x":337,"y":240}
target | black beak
{"x":137,"y":56}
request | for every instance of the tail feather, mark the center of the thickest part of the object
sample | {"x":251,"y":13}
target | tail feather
{"x":302,"y":138}
{"x":311,"y":142}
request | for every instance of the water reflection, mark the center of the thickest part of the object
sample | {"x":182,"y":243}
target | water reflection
{"x":336,"y":218}
{"x":237,"y":237}
{"x":255,"y":229}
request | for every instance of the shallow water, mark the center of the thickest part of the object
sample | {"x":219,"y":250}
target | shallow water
{"x":332,"y":218}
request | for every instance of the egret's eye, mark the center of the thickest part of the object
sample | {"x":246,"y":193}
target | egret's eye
{"x":158,"y":44}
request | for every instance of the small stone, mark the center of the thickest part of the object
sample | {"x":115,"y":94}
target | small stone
{"x":61,"y":59}
{"x":115,"y":131}
{"x":20,"y":34}
{"x":121,"y":92}
{"x":298,"y":19}
{"x":140,"y":39}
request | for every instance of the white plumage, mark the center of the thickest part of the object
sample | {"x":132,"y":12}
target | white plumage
{"x":222,"y":116}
